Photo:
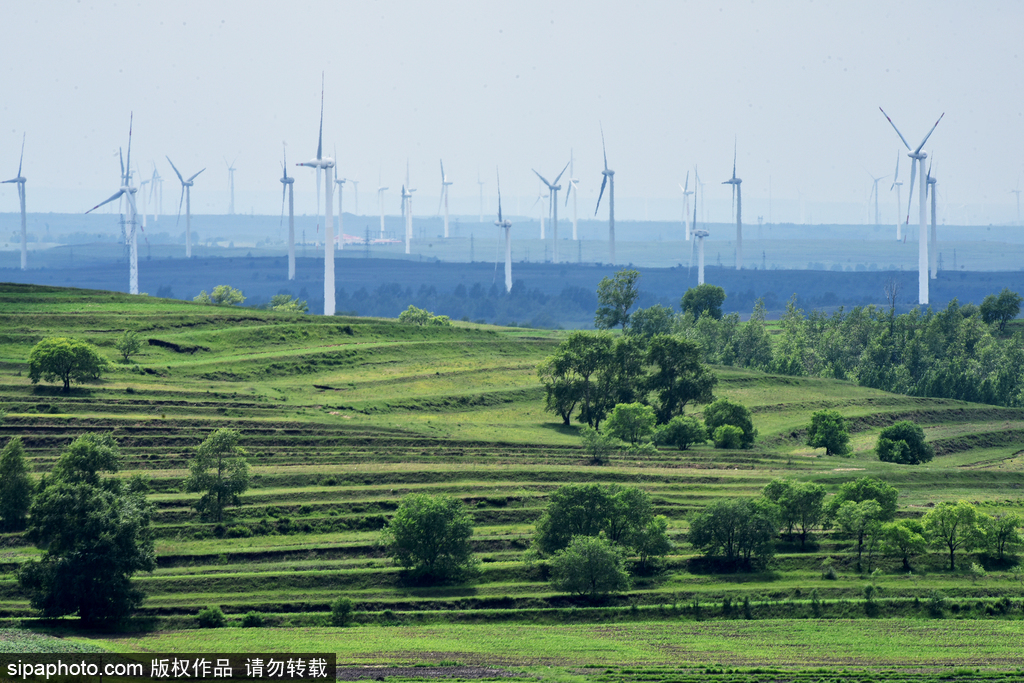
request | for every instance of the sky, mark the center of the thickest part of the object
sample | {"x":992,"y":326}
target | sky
{"x":796,"y":84}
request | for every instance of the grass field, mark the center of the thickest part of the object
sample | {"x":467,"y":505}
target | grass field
{"x":344,"y":416}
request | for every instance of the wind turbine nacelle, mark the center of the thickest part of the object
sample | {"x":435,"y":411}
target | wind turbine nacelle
{"x":287,"y":181}
{"x":607,"y":171}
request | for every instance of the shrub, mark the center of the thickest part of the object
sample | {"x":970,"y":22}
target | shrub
{"x":418,"y":316}
{"x":590,"y":566}
{"x":341,"y":611}
{"x":252,"y":619}
{"x":726,"y":412}
{"x":903,"y":443}
{"x":599,"y":445}
{"x":211,"y":617}
{"x":728,"y":436}
{"x":631,"y":422}
{"x":682,"y":432}
{"x":429,"y":536}
{"x":239,"y":531}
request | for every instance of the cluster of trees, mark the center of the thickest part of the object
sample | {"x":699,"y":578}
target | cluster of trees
{"x":901,"y":443}
{"x":94,"y":529}
{"x":222,"y":295}
{"x":418,"y":316}
{"x":727,"y":423}
{"x":959,"y":352}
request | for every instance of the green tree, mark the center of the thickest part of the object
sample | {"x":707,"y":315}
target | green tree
{"x":753,"y":345}
{"x":736,"y":530}
{"x":1002,"y":533}
{"x":955,"y":526}
{"x":867,"y":488}
{"x":15,"y":486}
{"x":727,"y":412}
{"x":904,"y":538}
{"x":286,"y":304}
{"x":600,"y":446}
{"x":862,"y":520}
{"x":903,"y":443}
{"x":728,"y":437}
{"x":226,"y":295}
{"x":429,"y":537}
{"x":704,"y":298}
{"x":65,"y":359}
{"x":418,"y":316}
{"x":95,"y":534}
{"x":651,"y":541}
{"x":615,"y":296}
{"x":632,"y":422}
{"x":128,"y":344}
{"x":573,"y":376}
{"x":829,"y":430}
{"x":590,"y":566}
{"x":801,"y":504}
{"x":682,"y":431}
{"x":647,"y":322}
{"x":1001,"y":309}
{"x":678,"y":376}
{"x":220,"y":472}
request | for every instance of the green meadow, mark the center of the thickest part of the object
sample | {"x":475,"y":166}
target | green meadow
{"x":343,"y":416}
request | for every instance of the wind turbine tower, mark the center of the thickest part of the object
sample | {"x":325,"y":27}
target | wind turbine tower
{"x":481,"y":184}
{"x":897,"y":184}
{"x":186,"y":196}
{"x":325,"y":164}
{"x":355,"y":195}
{"x":445,"y":184}
{"x":934,"y":236}
{"x":574,"y":188}
{"x":737,"y":200}
{"x":20,"y":180}
{"x":609,"y":179}
{"x":231,"y":180}
{"x":506,"y":225}
{"x":380,"y":200}
{"x":128,"y":192}
{"x":874,"y":193}
{"x":407,"y":209}
{"x":288,"y":186}
{"x":686,"y":206}
{"x":553,"y":188}
{"x":922,"y":255}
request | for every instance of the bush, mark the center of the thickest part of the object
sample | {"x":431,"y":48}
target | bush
{"x":341,"y":611}
{"x":418,"y":316}
{"x":829,"y":430}
{"x":903,"y":443}
{"x":681,"y":432}
{"x":630,"y":422}
{"x":599,"y":445}
{"x":211,"y":617}
{"x":590,"y":566}
{"x":252,"y":619}
{"x":429,"y":536}
{"x":726,"y":412}
{"x":128,"y":344}
{"x":728,"y":436}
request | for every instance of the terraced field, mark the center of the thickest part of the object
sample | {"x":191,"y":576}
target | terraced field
{"x":343,"y":416}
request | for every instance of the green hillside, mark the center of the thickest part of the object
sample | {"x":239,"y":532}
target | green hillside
{"x":343,"y":416}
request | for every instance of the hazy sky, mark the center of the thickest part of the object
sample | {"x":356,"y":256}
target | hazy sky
{"x":516,"y":84}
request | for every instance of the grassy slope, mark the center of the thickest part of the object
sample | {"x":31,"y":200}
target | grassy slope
{"x":343,"y":416}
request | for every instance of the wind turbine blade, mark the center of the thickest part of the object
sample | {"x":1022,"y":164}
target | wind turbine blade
{"x":124,"y":178}
{"x":910,"y":200}
{"x":567,"y":191}
{"x":128,"y":161}
{"x":131,"y":200}
{"x":685,"y":189}
{"x":542,"y":178}
{"x":175,"y":168}
{"x":498,"y":175}
{"x":897,"y":129}
{"x":897,"y":174}
{"x":560,"y":174}
{"x":22,"y":158}
{"x":605,"y":153}
{"x":180,"y":203}
{"x":929,"y":134}
{"x":734,"y":161}
{"x":442,"y":171}
{"x":195,"y":174}
{"x":320,"y":138}
{"x":107,"y":201}
{"x":600,"y":194}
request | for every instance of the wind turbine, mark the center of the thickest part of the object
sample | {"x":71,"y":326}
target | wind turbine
{"x":608,"y":175}
{"x":142,"y":194}
{"x":698,"y":235}
{"x":231,"y":179}
{"x":128,"y":192}
{"x":186,"y":196}
{"x":481,"y":184}
{"x":355,"y":195}
{"x":20,"y":180}
{"x":553,"y":188}
{"x":934,"y":233}
{"x":574,"y":189}
{"x":445,"y":183}
{"x":897,"y":183}
{"x":380,"y":200}
{"x":686,"y":205}
{"x":407,"y":208}
{"x":340,"y":182}
{"x":501,"y":223}
{"x":737,"y":201}
{"x":287,"y":187}
{"x":325,"y":164}
{"x":874,"y":193}
{"x":922,"y":254}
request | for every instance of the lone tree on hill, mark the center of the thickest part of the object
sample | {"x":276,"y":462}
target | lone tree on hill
{"x":615,"y":297}
{"x":15,"y":486}
{"x":429,"y":536}
{"x":218,"y":471}
{"x":1001,"y":309}
{"x":829,"y":430}
{"x":65,"y":359}
{"x":95,"y":534}
{"x":903,"y":443}
{"x":128,"y":344}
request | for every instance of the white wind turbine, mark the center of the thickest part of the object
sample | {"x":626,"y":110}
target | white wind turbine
{"x":686,"y":205}
{"x":737,"y":201}
{"x":287,"y":187}
{"x":481,"y":184}
{"x":325,"y":164}
{"x":897,"y":183}
{"x":922,"y":254}
{"x":355,"y":195}
{"x":874,"y":193}
{"x":380,"y":200}
{"x":340,"y":182}
{"x":553,"y":189}
{"x":20,"y":180}
{"x":231,"y":180}
{"x":934,"y":252}
{"x":574,"y":189}
{"x":407,"y":209}
{"x":142,"y":195}
{"x":609,"y":175}
{"x":445,"y":183}
{"x":698,"y":235}
{"x":128,"y":192}
{"x":506,"y":225}
{"x":186,"y":196}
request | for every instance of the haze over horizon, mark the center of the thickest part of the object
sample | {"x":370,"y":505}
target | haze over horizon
{"x":796,"y":84}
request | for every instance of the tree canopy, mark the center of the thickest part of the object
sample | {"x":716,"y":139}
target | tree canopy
{"x":65,"y":359}
{"x":903,"y":443}
{"x":727,"y":412}
{"x":15,"y":486}
{"x":829,"y":430}
{"x":677,"y":375}
{"x":615,"y":296}
{"x":128,"y":344}
{"x":955,"y":526}
{"x":630,"y":422}
{"x":222,"y":295}
{"x":219,"y":471}
{"x":429,"y":537}
{"x":590,"y":566}
{"x":1001,"y":309}
{"x":736,"y":530}
{"x":704,"y":298}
